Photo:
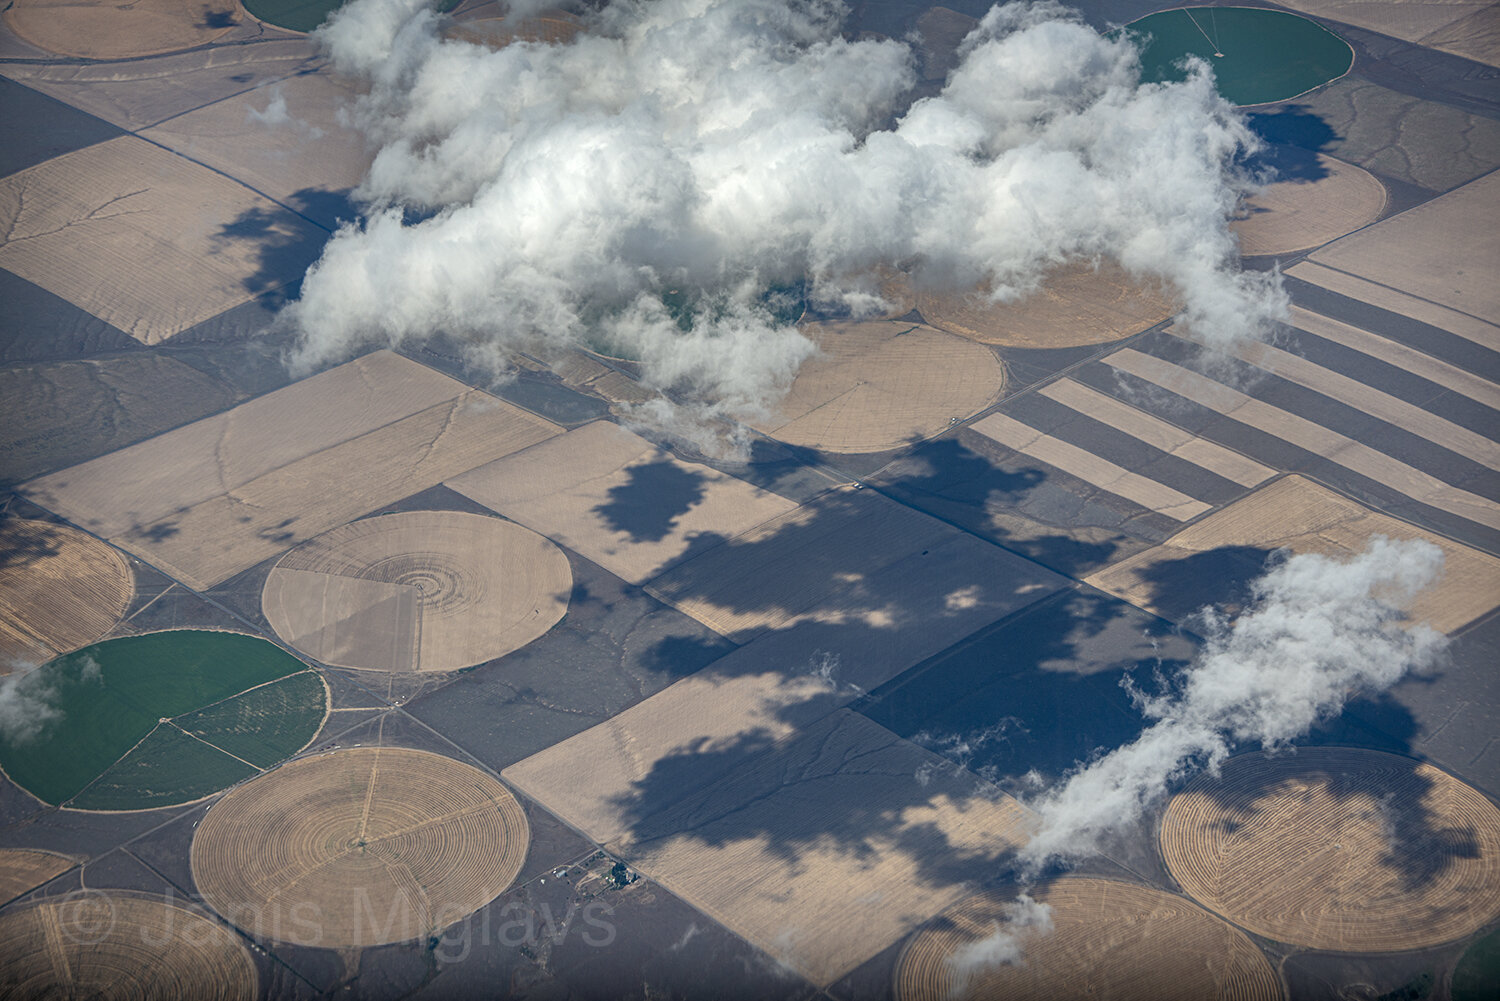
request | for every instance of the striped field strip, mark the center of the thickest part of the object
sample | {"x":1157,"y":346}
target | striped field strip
{"x":1157,"y":433}
{"x":1367,"y":399}
{"x":1352,"y":455}
{"x":1459,"y":380}
{"x":1090,"y":468}
{"x":1469,"y":327}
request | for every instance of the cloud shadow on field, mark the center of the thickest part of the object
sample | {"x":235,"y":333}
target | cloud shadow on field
{"x":649,"y":504}
{"x":1181,"y":585}
{"x":37,"y":544}
{"x":284,"y":247}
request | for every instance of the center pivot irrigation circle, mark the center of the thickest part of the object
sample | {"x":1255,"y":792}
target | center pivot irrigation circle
{"x":107,"y":944}
{"x":1108,"y":940}
{"x":418,"y":591}
{"x":1338,"y":848}
{"x":359,"y":847}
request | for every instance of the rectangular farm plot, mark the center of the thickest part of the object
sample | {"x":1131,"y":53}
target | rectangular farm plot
{"x":147,"y":240}
{"x":617,"y":499}
{"x":1446,"y":251}
{"x":1451,"y":320}
{"x":832,"y":847}
{"x":1229,"y":547}
{"x":283,"y":139}
{"x":216,"y":497}
{"x":765,"y":578}
{"x":692,"y":733}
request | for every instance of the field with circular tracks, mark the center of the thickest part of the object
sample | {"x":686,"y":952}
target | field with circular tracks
{"x":1109,"y":940}
{"x":359,"y":847}
{"x":159,"y":719}
{"x":121,"y":946}
{"x":420,"y":591}
{"x":60,"y":589}
{"x":1341,"y":849}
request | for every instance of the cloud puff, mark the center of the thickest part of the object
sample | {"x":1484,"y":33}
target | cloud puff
{"x":1316,"y":633}
{"x":29,"y":697}
{"x":1024,"y":919}
{"x":649,"y":184}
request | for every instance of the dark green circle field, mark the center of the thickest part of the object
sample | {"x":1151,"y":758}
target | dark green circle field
{"x":159,"y":719}
{"x":305,"y":15}
{"x":1258,"y":56}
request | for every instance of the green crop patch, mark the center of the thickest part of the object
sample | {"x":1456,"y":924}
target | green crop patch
{"x":305,"y":15}
{"x":1258,"y":56}
{"x":96,"y":729}
{"x":264,"y":725}
{"x":168,"y":767}
{"x":1478,"y":972}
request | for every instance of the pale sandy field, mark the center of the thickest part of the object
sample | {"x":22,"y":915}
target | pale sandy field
{"x":1308,"y":518}
{"x":359,"y":847}
{"x":1296,"y":214}
{"x":94,"y":29}
{"x":879,"y":384}
{"x":147,"y":240}
{"x":1110,"y":939}
{"x":97,"y":944}
{"x":60,"y":589}
{"x":1446,"y":251}
{"x":1338,"y":848}
{"x":1463,"y":27}
{"x":417,"y":591}
{"x":23,"y":869}
{"x":283,"y":139}
{"x":218,"y":496}
{"x":615,"y":498}
{"x":1077,"y":304}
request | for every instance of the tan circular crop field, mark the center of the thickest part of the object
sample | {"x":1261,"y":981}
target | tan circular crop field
{"x":424,"y":590}
{"x":878,"y":384}
{"x":1077,"y":304}
{"x":60,"y":589}
{"x":1109,"y":941}
{"x":359,"y":847}
{"x":1297,"y":214}
{"x":95,"y":29}
{"x":1336,"y":848}
{"x":112,"y":945}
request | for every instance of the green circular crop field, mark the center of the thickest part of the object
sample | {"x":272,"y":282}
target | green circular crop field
{"x":157,"y":720}
{"x":1258,"y":56}
{"x":305,"y":15}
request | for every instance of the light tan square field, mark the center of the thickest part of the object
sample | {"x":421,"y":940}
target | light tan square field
{"x":218,"y":496}
{"x":1446,"y":251}
{"x":1305,"y":517}
{"x":693,"y":732}
{"x":615,"y":498}
{"x":831,"y":848}
{"x":765,"y":578}
{"x":140,"y":93}
{"x":282,"y":139}
{"x":1408,"y":20}
{"x":147,"y":240}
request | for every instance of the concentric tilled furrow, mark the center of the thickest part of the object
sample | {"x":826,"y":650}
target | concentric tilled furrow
{"x":1109,"y":939}
{"x":360,"y":847}
{"x":113,"y":946}
{"x":1338,"y":849}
